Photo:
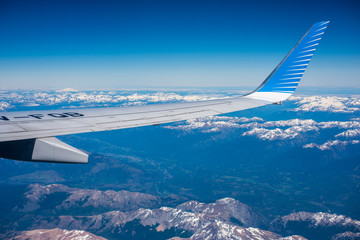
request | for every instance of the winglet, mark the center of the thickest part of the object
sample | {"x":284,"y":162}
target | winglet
{"x":284,"y":79}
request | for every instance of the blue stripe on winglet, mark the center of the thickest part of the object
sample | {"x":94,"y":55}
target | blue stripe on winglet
{"x":287,"y":75}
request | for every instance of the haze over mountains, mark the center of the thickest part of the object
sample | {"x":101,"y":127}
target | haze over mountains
{"x":277,"y":172}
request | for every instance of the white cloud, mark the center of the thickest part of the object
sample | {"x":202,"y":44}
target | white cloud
{"x":118,"y":98}
{"x":72,"y":96}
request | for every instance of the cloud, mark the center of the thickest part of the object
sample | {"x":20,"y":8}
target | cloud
{"x":118,"y":98}
{"x":163,"y":97}
{"x":327,"y":104}
{"x":73,"y":98}
{"x":331,"y":144}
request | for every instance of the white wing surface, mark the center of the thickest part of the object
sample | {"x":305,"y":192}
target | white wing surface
{"x":29,"y":136}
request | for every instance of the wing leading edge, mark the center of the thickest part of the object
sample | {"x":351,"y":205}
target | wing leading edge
{"x":29,"y":136}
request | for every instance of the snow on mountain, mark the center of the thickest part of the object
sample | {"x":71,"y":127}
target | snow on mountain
{"x":225,"y":209}
{"x":56,"y":234}
{"x":340,"y":124}
{"x":257,"y":125}
{"x":67,"y":90}
{"x":346,"y":236}
{"x":327,"y":104}
{"x":213,"y":123}
{"x":293,"y":237}
{"x":267,"y":130}
{"x":202,"y":225}
{"x":351,"y":133}
{"x":322,"y":219}
{"x":303,"y":124}
{"x":279,"y":134}
{"x":355,"y":119}
{"x":326,"y":224}
{"x":226,"y":218}
{"x":331,"y":144}
{"x":4,"y":105}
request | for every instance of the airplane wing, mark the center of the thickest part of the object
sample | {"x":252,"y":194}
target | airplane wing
{"x":30,"y":136}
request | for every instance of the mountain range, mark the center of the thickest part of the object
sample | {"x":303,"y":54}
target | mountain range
{"x":56,"y":209}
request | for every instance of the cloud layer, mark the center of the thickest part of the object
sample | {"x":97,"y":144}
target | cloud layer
{"x":74,"y":98}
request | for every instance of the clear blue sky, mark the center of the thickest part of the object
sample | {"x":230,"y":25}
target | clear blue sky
{"x":115,"y":44}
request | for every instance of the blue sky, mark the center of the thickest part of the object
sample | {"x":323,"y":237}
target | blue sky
{"x":115,"y":44}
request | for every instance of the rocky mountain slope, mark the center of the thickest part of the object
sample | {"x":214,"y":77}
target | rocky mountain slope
{"x":136,"y":215}
{"x":85,"y":199}
{"x":227,"y":209}
{"x":133,"y":215}
{"x":164,"y":221}
{"x":56,"y":234}
{"x":346,"y":236}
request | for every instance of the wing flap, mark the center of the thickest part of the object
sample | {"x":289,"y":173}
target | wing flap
{"x":42,"y":150}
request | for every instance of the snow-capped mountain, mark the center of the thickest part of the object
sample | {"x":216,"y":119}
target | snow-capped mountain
{"x":226,"y":209}
{"x":322,"y":225}
{"x":226,"y":218}
{"x":200,"y":225}
{"x":346,"y":236}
